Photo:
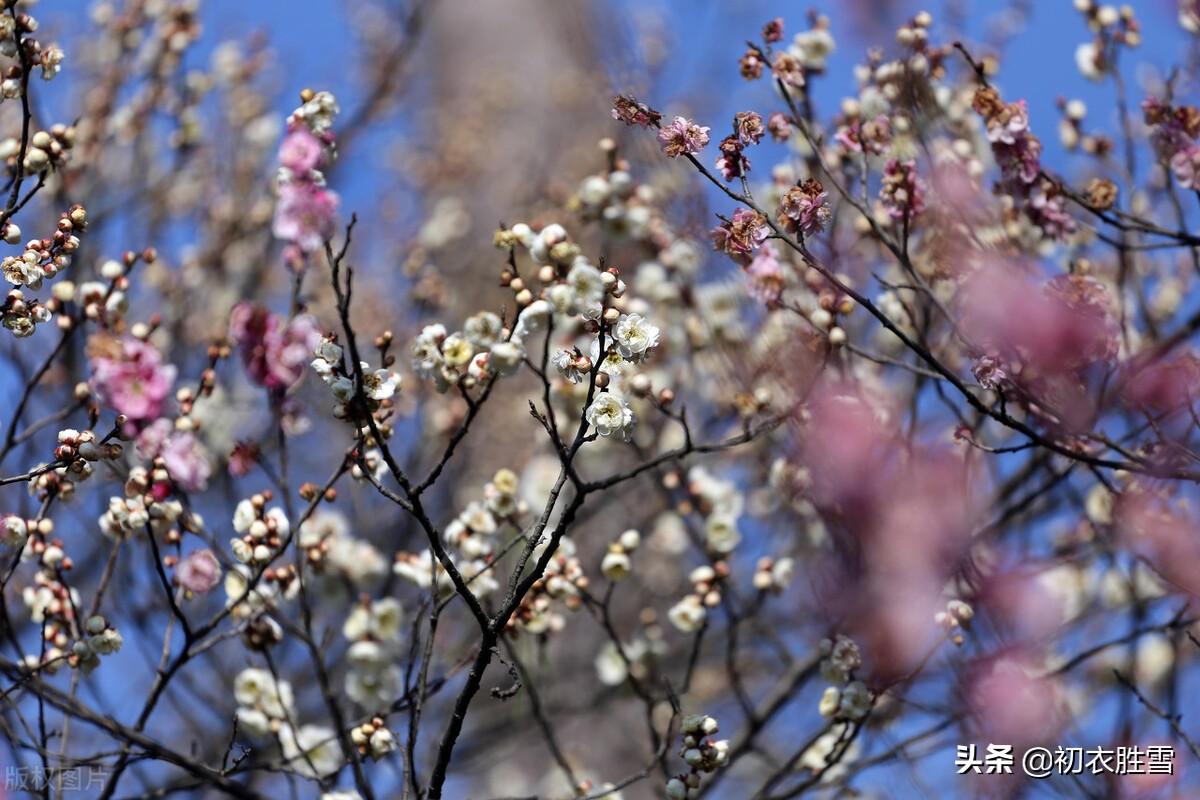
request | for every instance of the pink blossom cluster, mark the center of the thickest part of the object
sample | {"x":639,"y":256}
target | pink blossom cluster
{"x":1175,"y":131}
{"x":682,"y":136}
{"x":183,"y":455}
{"x":275,"y":351}
{"x":804,"y":209}
{"x":872,"y":136}
{"x":1017,"y":150}
{"x":306,"y":209}
{"x":903,"y":191}
{"x":130,"y":375}
{"x":764,"y":276}
{"x":740,"y":236}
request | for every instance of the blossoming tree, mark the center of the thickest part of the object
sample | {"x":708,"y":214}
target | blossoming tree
{"x":885,"y":458}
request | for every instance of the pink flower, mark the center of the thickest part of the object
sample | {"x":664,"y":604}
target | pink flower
{"x":304,"y":214}
{"x":276,"y":353}
{"x":682,"y":136}
{"x":773,"y":31}
{"x":1008,"y":125}
{"x":1019,"y":161}
{"x":631,"y":112}
{"x":788,"y":69}
{"x":741,"y":236}
{"x":131,"y":377}
{"x":872,"y":136}
{"x":1185,"y":165}
{"x":301,"y":152}
{"x":1048,"y":211}
{"x":182,"y":453}
{"x":749,"y":126}
{"x":989,"y":371}
{"x":804,"y":209}
{"x":765,"y":275}
{"x":198,"y":572}
{"x":732,"y":163}
{"x":1011,"y":702}
{"x":903,"y":193}
{"x":780,"y":126}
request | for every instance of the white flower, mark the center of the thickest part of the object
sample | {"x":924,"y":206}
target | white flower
{"x":380,"y":384}
{"x":359,"y":561}
{"x":280,"y":519}
{"x":14,"y":531}
{"x":318,"y":113}
{"x":256,"y":688}
{"x":532,"y":319}
{"x":781,"y":573}
{"x":588,"y":285}
{"x":457,"y":350}
{"x":386,"y":616}
{"x":253,"y":721}
{"x":841,"y":658}
{"x":1085,"y":60}
{"x":610,"y":415}
{"x":342,"y":388}
{"x":812,"y":47}
{"x":616,"y":565}
{"x":721,"y":534}
{"x":676,"y":789}
{"x":540,"y":250}
{"x":381,"y":743}
{"x":635,"y":336}
{"x":610,"y":666}
{"x":830,"y":700}
{"x":357,"y":624}
{"x":329,"y":351}
{"x":483,"y":329}
{"x":477,"y":517}
{"x":366,"y":654}
{"x":613,"y":363}
{"x":688,"y":614}
{"x":244,"y":516}
{"x":506,"y":357}
{"x":312,"y":751}
{"x":374,"y":687}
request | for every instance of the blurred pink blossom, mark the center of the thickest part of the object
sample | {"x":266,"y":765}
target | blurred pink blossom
{"x":765,"y":277}
{"x":301,"y":152}
{"x":304,"y":214}
{"x":275,"y":352}
{"x":198,"y":572}
{"x":1011,"y":701}
{"x":132,"y":378}
{"x":185,"y":458}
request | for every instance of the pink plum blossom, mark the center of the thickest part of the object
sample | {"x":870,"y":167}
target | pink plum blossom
{"x":304,"y":214}
{"x":198,"y":572}
{"x":276,"y":352}
{"x":682,"y":136}
{"x":301,"y":152}
{"x":130,"y":376}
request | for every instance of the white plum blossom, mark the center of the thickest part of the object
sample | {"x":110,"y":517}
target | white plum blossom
{"x":610,"y":416}
{"x":533,"y":318}
{"x":721,"y":533}
{"x":506,"y":357}
{"x":312,"y":751}
{"x":635,"y":337}
{"x":380,"y":384}
{"x":688,"y":614}
{"x":613,"y":363}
